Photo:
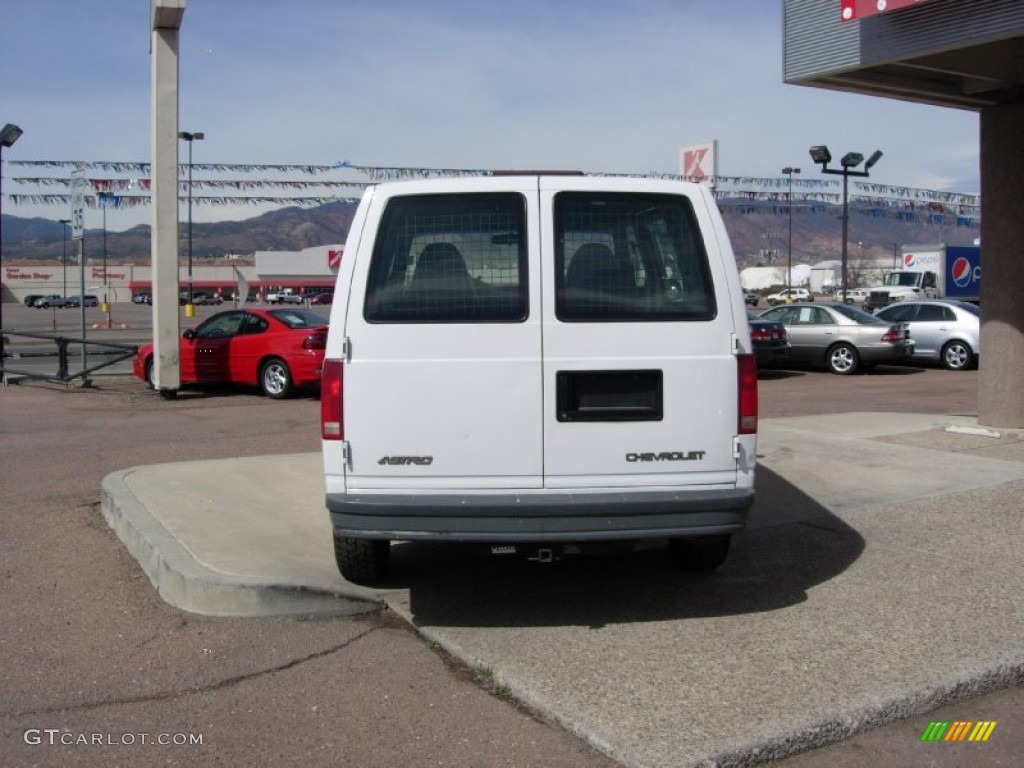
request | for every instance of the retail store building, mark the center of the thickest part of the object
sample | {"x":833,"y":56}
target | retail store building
{"x":310,"y":269}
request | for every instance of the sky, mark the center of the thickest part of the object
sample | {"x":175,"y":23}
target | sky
{"x":596,"y":85}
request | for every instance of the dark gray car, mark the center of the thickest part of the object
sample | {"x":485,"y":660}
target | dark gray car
{"x":842,"y":338}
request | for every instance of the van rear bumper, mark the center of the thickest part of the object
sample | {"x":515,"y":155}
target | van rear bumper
{"x":540,"y":517}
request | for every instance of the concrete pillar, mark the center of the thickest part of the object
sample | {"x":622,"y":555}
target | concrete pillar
{"x":166,"y":20}
{"x":1000,"y":390}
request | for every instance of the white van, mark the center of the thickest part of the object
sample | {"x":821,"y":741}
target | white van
{"x":534,"y":361}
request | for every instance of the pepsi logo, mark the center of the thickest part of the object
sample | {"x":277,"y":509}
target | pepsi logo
{"x":909,"y":260}
{"x":961,"y":272}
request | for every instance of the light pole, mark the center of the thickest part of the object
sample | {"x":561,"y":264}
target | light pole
{"x":64,"y":256}
{"x":190,"y":137}
{"x":789,"y":171}
{"x":849,"y":161}
{"x":104,"y":198}
{"x":10,"y":134}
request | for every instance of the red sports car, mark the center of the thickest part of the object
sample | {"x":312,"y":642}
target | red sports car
{"x":276,"y":350}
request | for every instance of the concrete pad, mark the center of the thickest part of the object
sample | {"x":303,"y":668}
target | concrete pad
{"x":880,"y":577}
{"x":240,"y":537}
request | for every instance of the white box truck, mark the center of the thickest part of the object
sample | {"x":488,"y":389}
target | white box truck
{"x":931,"y":271}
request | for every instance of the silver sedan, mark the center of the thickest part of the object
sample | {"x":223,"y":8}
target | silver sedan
{"x":842,"y":338}
{"x":943,"y":330}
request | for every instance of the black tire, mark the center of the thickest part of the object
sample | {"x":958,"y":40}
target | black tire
{"x":843,"y":359}
{"x":275,"y":379}
{"x":149,"y":372}
{"x":957,"y":355}
{"x":704,"y":553}
{"x":362,"y":561}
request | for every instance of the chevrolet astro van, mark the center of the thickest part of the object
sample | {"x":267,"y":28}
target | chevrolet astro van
{"x":535,"y":361}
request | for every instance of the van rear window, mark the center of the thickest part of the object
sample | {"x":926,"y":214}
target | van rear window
{"x":630,"y":257}
{"x":456,"y":258}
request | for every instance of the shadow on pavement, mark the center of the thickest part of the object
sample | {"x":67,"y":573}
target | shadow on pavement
{"x":783,"y":371}
{"x":210,"y":391}
{"x":791,"y":545}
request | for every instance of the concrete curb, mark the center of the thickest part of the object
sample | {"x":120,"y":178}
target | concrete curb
{"x":186,"y":584}
{"x":852,"y":723}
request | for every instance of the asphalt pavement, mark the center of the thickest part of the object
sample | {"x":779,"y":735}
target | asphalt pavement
{"x":876,"y":591}
{"x":879,"y":580}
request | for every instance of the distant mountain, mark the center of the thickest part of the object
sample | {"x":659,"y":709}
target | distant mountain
{"x":286,"y":229}
{"x":762,"y":237}
{"x":759,"y":235}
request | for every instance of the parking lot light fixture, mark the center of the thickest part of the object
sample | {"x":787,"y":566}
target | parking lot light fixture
{"x":64,"y":257}
{"x":10,"y":134}
{"x":789,"y":171}
{"x":821,"y":156}
{"x":190,"y":137}
{"x":851,"y":160}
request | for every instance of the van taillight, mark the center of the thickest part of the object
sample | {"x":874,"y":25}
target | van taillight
{"x":747,"y":367}
{"x":332,"y":425}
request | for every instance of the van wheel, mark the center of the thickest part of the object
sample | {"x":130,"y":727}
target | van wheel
{"x":276,"y":379}
{"x":362,"y":560}
{"x":843,"y":359}
{"x":699,"y":554}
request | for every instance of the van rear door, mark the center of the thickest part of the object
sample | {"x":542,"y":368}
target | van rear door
{"x":445,"y":344}
{"x":640,"y":375}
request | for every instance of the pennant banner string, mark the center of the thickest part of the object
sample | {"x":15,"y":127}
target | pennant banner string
{"x":735,"y":194}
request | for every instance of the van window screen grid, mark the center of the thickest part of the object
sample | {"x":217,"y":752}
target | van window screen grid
{"x":450,"y":259}
{"x":630,"y":257}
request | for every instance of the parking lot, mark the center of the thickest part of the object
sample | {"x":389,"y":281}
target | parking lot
{"x":90,"y":648}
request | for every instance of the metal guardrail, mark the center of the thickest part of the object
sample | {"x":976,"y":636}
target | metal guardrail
{"x":66,"y":349}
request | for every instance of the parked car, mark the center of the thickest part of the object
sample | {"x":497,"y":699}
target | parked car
{"x":856,"y":296}
{"x":206,"y":299}
{"x":284,"y":296}
{"x":276,"y":350}
{"x":770,"y":340}
{"x":321,"y":298}
{"x":943,"y":330}
{"x":840,"y":337}
{"x":142,"y":298}
{"x":30,"y":300}
{"x":751,"y":298}
{"x":53,"y":300}
{"x":76,"y":301}
{"x":791,"y":294}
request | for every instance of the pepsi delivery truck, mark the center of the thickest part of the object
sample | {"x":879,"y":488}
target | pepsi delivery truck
{"x":940,"y":271}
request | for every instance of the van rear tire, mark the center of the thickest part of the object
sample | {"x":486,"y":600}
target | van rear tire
{"x":362,"y":561}
{"x":704,"y":553}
